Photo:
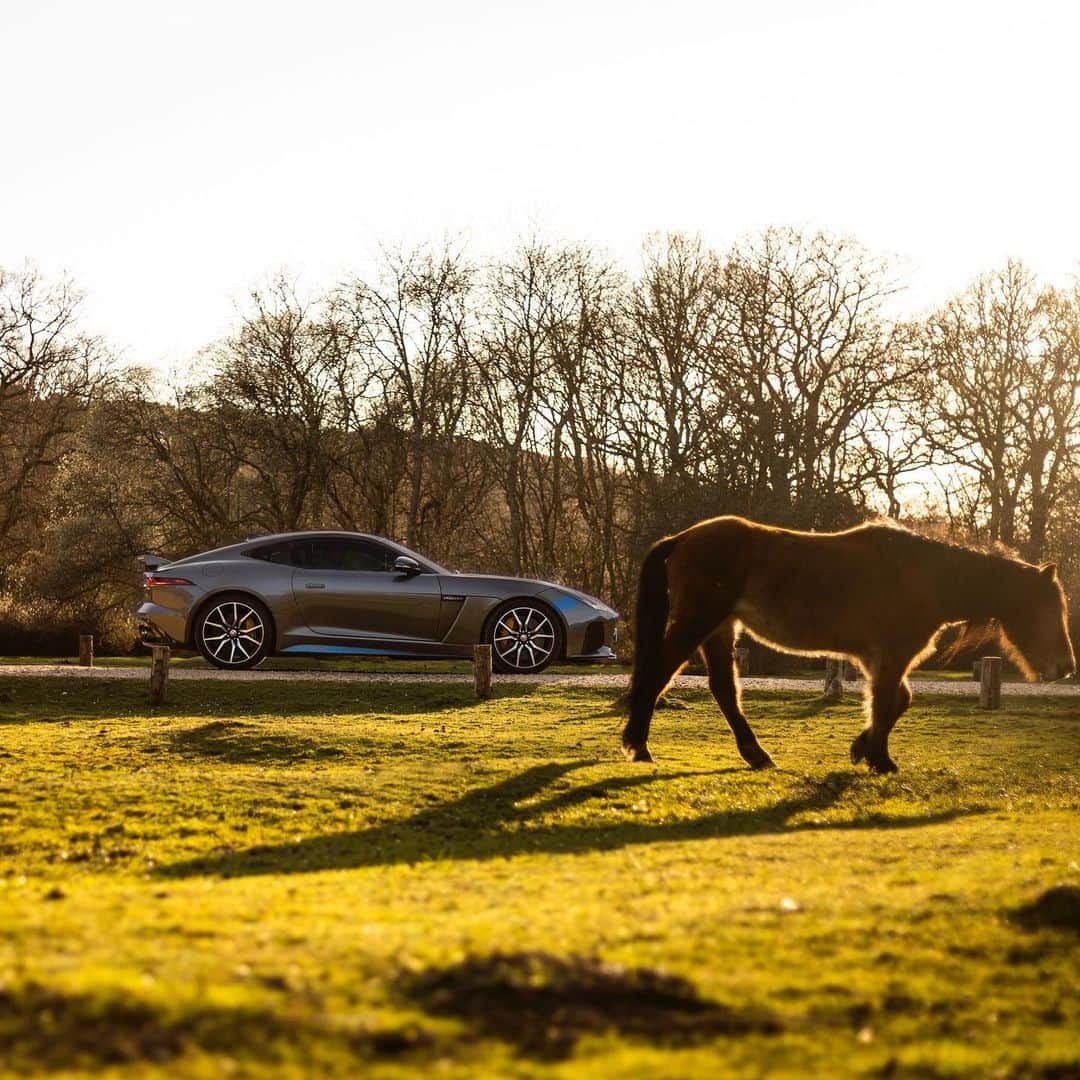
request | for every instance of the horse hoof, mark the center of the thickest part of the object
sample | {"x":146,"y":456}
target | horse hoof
{"x":883,"y":767}
{"x":638,"y":753}
{"x":858,"y":749}
{"x":756,"y":757}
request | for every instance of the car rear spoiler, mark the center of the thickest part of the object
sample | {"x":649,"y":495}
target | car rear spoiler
{"x":154,"y":562}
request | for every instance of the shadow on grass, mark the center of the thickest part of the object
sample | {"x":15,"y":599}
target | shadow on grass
{"x":823,"y":705}
{"x":44,"y":1029}
{"x":1057,"y":908}
{"x":495,"y":822}
{"x":242,"y":743}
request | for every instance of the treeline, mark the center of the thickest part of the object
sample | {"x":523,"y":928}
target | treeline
{"x":546,"y":413}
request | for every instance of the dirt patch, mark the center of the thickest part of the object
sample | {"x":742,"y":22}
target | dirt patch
{"x":45,"y":1030}
{"x":1056,"y":909}
{"x":59,"y":1029}
{"x":544,"y":1004}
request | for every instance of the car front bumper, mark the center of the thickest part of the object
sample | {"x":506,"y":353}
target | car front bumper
{"x":593,"y":639}
{"x":604,"y":655}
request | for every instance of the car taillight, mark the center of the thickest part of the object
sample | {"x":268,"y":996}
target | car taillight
{"x":151,"y":581}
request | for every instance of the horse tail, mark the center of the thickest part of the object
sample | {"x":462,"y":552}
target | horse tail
{"x":651,"y":614}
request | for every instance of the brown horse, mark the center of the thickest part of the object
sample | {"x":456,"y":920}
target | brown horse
{"x":876,"y":594}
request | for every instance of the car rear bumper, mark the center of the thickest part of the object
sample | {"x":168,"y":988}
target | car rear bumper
{"x":159,"y":625}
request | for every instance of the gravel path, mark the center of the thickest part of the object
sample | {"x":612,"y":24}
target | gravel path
{"x":959,"y":687}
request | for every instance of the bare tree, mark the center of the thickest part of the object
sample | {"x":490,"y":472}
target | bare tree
{"x":514,"y":407}
{"x":1002,"y":404}
{"x":809,"y":364}
{"x":1049,"y":413}
{"x":410,"y":329}
{"x":269,"y":402}
{"x":588,"y":347}
{"x":672,"y":315}
{"x":49,"y":373}
{"x":670,"y":421}
{"x":165,"y":435}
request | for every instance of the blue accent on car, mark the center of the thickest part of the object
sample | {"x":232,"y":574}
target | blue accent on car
{"x":563,"y":603}
{"x":345,"y":650}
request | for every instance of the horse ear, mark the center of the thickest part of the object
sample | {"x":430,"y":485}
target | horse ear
{"x":1049,"y":571}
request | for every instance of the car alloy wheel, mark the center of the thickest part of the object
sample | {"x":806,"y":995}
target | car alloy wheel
{"x":233,"y":633}
{"x":524,"y":638}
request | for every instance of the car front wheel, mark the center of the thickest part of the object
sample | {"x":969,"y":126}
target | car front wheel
{"x":234,"y":632}
{"x":524,"y":638}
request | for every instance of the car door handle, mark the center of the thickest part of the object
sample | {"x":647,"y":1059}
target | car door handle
{"x":314,"y":585}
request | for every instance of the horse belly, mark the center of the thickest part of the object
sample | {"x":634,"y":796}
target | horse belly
{"x":788,"y":630}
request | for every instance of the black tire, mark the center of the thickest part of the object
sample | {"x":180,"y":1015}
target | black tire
{"x":525,"y":637}
{"x":234,"y":632}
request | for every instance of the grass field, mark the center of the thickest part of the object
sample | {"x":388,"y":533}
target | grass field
{"x":375,"y":665}
{"x":393,"y":880}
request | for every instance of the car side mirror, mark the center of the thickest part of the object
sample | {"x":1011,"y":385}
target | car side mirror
{"x":404,"y":565}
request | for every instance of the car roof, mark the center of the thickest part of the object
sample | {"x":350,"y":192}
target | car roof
{"x":260,"y":540}
{"x":303,"y":534}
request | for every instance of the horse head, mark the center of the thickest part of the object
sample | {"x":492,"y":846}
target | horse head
{"x":1037,"y":626}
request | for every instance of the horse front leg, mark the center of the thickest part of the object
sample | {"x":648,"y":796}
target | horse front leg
{"x":724,"y":684}
{"x":651,"y":676}
{"x":890,"y":696}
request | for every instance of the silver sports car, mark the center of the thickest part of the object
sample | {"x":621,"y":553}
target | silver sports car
{"x":348,"y":594}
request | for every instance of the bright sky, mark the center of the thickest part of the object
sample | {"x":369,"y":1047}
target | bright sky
{"x":169,"y":156}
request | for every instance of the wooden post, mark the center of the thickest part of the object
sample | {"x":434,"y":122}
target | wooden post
{"x":86,"y":650}
{"x":482,"y":671}
{"x":990,"y":683}
{"x":834,"y":681}
{"x":159,"y":674}
{"x":742,"y":661}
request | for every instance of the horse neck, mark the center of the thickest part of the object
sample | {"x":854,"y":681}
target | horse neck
{"x":980,"y":586}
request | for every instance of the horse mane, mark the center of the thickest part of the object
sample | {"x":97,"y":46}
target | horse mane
{"x":973,"y":635}
{"x":935,"y":534}
{"x":970,"y":636}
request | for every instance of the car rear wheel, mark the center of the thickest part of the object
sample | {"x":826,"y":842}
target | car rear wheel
{"x":524,"y":638}
{"x":234,"y":632}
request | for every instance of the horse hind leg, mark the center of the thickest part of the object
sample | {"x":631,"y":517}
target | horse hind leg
{"x":890,"y":696}
{"x":652,"y":674}
{"x":724,"y":684}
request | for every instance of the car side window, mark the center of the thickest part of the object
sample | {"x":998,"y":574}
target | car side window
{"x":287,"y":553}
{"x":340,"y":554}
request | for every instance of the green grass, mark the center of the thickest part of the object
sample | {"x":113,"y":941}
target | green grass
{"x":393,"y":880}
{"x":293,"y":663}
